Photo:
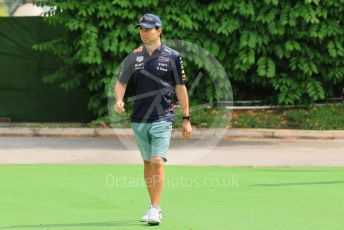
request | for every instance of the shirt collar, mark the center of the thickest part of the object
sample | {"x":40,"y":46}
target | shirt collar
{"x":159,"y":49}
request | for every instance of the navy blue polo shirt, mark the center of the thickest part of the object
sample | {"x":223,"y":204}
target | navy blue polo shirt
{"x":154,"y":78}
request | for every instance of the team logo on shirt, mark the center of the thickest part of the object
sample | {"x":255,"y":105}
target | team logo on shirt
{"x":139,"y":58}
{"x":163,"y":59}
{"x":161,"y":68}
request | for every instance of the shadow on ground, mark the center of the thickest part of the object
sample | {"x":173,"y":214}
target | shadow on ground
{"x":119,"y":223}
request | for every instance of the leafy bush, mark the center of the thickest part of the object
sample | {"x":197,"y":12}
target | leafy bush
{"x":329,"y":117}
{"x":259,"y":120}
{"x":292,"y":49}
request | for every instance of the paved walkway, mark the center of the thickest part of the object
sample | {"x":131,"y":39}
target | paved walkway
{"x":235,"y":152}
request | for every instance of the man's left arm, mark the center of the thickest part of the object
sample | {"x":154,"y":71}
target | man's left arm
{"x":183,"y":99}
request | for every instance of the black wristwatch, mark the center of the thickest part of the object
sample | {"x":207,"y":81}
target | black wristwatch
{"x":187,"y":118}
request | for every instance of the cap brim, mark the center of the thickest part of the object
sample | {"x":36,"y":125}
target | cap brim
{"x":145,"y":25}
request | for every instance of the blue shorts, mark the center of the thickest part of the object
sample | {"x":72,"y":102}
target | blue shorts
{"x":153,"y":139}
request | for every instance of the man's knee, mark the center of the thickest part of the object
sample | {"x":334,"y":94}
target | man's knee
{"x":157,"y":161}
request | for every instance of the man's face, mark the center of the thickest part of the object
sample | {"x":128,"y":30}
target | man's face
{"x":149,"y":35}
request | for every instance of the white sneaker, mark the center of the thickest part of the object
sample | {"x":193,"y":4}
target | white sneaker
{"x":153,"y":219}
{"x":154,"y":215}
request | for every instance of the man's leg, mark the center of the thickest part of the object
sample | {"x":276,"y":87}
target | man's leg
{"x":154,"y":178}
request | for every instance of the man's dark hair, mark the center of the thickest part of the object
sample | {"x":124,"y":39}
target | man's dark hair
{"x":161,"y":31}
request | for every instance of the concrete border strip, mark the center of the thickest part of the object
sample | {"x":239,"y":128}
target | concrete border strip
{"x":201,"y":133}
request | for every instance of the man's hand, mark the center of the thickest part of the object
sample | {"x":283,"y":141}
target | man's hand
{"x":119,"y":107}
{"x":186,"y":129}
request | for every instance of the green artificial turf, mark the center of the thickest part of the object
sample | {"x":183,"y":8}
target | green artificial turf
{"x":114,"y":197}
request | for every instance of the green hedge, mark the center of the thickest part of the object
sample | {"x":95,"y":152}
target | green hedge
{"x":291,"y":50}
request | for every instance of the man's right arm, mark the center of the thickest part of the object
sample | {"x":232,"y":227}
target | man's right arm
{"x":120,"y":91}
{"x":124,"y":76}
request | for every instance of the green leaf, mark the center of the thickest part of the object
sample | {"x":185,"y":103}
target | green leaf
{"x":315,"y":90}
{"x":266,"y":67}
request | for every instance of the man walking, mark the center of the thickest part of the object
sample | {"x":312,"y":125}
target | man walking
{"x":157,"y":74}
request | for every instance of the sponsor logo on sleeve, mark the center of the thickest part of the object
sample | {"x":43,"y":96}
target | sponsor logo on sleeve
{"x":182,"y":68}
{"x":181,"y":63}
